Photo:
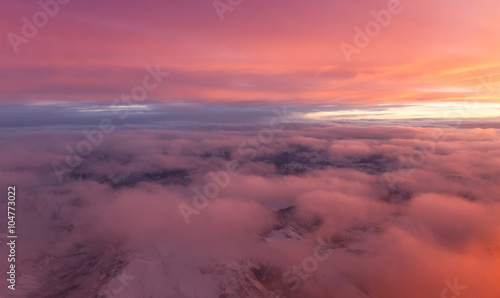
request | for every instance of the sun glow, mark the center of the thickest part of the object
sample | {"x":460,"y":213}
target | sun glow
{"x":434,"y":110}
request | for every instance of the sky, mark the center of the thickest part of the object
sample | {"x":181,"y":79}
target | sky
{"x":319,"y":52}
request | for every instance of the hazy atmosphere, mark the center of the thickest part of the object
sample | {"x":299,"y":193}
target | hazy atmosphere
{"x":236,"y":148}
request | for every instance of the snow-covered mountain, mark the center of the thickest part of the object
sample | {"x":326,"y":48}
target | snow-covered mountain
{"x":110,"y":269}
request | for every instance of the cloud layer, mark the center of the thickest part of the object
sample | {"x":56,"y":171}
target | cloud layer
{"x":411,"y":235}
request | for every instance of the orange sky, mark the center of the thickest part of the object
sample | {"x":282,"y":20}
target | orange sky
{"x":263,"y":51}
